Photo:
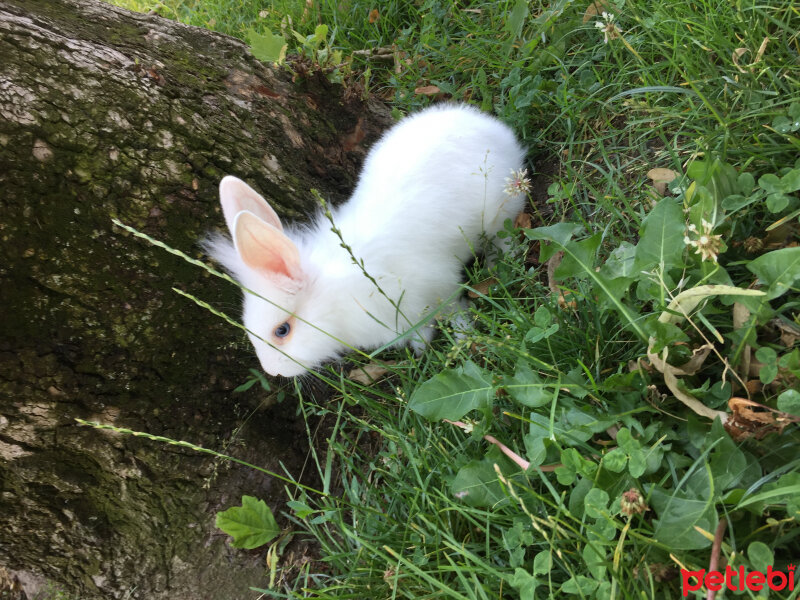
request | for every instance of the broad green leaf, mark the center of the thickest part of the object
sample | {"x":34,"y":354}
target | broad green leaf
{"x":727,"y":463}
{"x":537,"y":333}
{"x":637,"y":463}
{"x":615,"y":460}
{"x":789,"y":402}
{"x":301,"y":509}
{"x":268,"y":47}
{"x":527,"y":388}
{"x":778,"y":270}
{"x":777,"y":202}
{"x":595,"y":560}
{"x":791,"y":181}
{"x":580,"y":585}
{"x":718,"y":177}
{"x":250,"y":525}
{"x":323,"y":518}
{"x":476,"y":484}
{"x":704,"y":206}
{"x":661,"y":237}
{"x":524,"y":583}
{"x":560,"y":233}
{"x":783,"y":124}
{"x":769,"y":358}
{"x":543,"y":562}
{"x":516,"y":19}
{"x":578,"y":255}
{"x":542,"y":317}
{"x":572,"y":463}
{"x":736,"y":202}
{"x":535,"y":449}
{"x":772,"y":184}
{"x":791,"y":362}
{"x":620,"y":263}
{"x":320,"y":33}
{"x":745,"y":183}
{"x":453,"y":393}
{"x":760,"y":556}
{"x":596,"y":503}
{"x":678,"y":515}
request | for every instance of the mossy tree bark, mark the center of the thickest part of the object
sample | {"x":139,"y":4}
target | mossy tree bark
{"x":105,"y":113}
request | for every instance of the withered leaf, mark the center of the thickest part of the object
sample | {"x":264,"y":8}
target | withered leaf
{"x":661,"y":177}
{"x":482,"y":287}
{"x":523,"y":221}
{"x":598,"y":7}
{"x":751,"y":419}
{"x":369,"y":374}
{"x":427,"y":90}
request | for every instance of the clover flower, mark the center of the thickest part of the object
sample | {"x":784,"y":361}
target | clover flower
{"x":610,"y":29}
{"x":632,"y":503}
{"x":518,"y":183}
{"x":707,"y":245}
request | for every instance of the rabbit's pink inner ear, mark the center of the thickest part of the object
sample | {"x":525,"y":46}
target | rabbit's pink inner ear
{"x":236,"y":196}
{"x":261,"y":246}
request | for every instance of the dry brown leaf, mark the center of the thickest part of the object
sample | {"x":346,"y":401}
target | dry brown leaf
{"x":753,"y":386}
{"x":789,"y":333}
{"x":369,"y":374}
{"x":678,"y":309}
{"x":566,"y":304}
{"x":751,"y":419}
{"x":761,"y":49}
{"x":779,"y":236}
{"x":523,"y":221}
{"x":671,"y":373}
{"x":661,"y":174}
{"x":374,"y":15}
{"x":427,"y":90}
{"x":552,"y":265}
{"x":751,"y":411}
{"x":595,"y":8}
{"x":661,"y":177}
{"x":482,"y":287}
{"x":736,"y":55}
{"x":699,"y":355}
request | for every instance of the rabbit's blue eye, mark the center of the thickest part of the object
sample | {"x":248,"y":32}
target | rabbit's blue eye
{"x":282,"y":330}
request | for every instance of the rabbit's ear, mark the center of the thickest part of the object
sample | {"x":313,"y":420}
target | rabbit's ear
{"x":263,"y":247}
{"x":236,"y":196}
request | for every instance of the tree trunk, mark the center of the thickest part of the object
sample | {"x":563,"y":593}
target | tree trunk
{"x":106,"y":113}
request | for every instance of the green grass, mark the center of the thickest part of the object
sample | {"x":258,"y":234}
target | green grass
{"x":413,"y":507}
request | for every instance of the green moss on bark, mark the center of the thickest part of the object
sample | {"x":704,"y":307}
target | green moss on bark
{"x":111,"y":114}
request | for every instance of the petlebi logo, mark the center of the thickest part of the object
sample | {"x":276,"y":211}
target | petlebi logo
{"x":737,"y":580}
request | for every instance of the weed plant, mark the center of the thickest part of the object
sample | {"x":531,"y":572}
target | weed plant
{"x":626,"y":405}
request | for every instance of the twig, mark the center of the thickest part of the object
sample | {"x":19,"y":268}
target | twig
{"x":518,"y":460}
{"x":715,"y":550}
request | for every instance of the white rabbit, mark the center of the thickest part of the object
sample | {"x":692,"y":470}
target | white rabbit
{"x":428,"y":191}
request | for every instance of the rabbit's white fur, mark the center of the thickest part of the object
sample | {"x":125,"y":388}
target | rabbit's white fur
{"x":428,"y":191}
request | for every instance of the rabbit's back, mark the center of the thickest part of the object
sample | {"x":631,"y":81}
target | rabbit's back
{"x":434,"y":183}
